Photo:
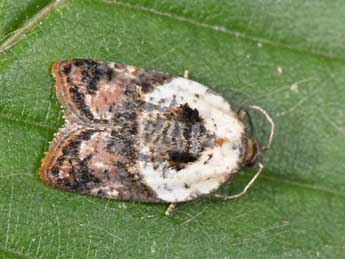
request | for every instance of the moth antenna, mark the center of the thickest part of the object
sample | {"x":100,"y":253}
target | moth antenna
{"x":269,"y":119}
{"x":246,"y":188}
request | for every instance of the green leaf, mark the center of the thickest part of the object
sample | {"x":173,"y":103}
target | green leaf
{"x":286,"y":56}
{"x":15,"y":13}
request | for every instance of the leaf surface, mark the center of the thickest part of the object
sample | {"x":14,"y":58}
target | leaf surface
{"x":286,"y":57}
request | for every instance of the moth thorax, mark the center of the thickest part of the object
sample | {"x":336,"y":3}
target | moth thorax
{"x":253,"y":153}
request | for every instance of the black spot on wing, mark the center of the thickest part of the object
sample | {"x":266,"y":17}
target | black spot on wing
{"x":67,"y":69}
{"x":181,"y":157}
{"x":189,"y":115}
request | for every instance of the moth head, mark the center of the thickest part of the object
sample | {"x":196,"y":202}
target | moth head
{"x":254,"y":152}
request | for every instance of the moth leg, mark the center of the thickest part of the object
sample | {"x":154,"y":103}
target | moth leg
{"x":186,"y":74}
{"x":251,"y":182}
{"x":170,"y":209}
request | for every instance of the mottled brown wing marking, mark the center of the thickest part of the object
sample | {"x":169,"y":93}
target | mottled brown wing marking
{"x":55,"y":156}
{"x":96,"y":153}
{"x":95,"y":162}
{"x":86,"y":88}
{"x":101,"y":92}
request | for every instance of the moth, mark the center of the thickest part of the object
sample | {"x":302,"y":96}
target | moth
{"x":135,"y":134}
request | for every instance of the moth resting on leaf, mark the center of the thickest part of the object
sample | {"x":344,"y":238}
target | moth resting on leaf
{"x":132,"y":134}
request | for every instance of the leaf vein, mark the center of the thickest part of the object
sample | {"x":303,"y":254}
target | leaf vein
{"x":17,"y":253}
{"x":303,"y":185}
{"x":32,"y":124}
{"x":224,"y":30}
{"x":31,"y":23}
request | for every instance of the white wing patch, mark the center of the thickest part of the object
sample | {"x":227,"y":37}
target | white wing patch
{"x":215,"y":165}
